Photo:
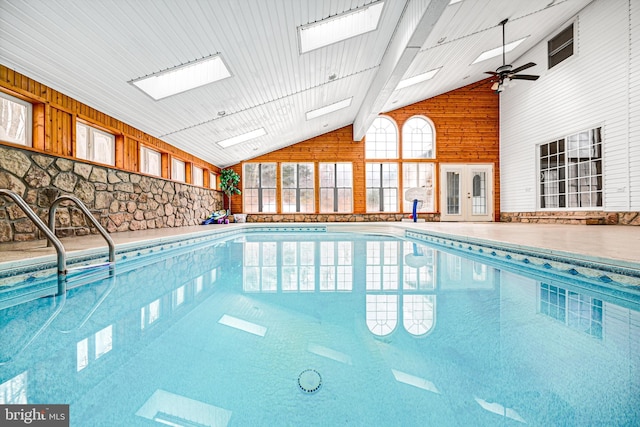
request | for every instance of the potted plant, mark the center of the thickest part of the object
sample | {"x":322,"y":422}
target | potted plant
{"x":229,"y":181}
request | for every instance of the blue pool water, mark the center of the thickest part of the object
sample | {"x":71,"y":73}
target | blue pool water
{"x":325,"y":329}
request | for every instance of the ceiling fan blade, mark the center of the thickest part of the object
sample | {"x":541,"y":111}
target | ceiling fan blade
{"x":493,"y":73}
{"x":523,"y":67}
{"x":524,"y":77}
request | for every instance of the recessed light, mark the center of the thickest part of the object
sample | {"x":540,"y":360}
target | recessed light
{"x":339,"y":27}
{"x":329,"y":108}
{"x":242,"y":138}
{"x":183,"y":77}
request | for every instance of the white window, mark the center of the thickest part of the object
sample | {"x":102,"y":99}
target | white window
{"x":417,"y":139}
{"x":259,"y":187}
{"x":336,"y":187}
{"x":381,"y":140}
{"x":197,"y":177}
{"x":418,"y":175}
{"x":150,"y":161}
{"x":571,"y":171}
{"x":213,"y":180}
{"x":95,"y":145}
{"x":178,"y":170}
{"x":297,"y":187}
{"x":382,"y":187}
{"x":15,"y":120}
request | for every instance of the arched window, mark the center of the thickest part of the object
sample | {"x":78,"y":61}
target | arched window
{"x":381,"y":140}
{"x":418,"y":139}
{"x":382,"y":314}
{"x":418,"y":313}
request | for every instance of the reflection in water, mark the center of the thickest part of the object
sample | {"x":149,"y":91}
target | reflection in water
{"x":228,"y":325}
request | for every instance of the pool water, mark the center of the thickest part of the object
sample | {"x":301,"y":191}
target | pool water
{"x":325,"y":329}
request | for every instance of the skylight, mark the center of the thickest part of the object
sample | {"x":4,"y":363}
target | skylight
{"x":417,"y":79}
{"x":498,"y":51}
{"x":183,"y":77}
{"x":340,"y":27}
{"x":243,"y":325}
{"x":242,"y":138}
{"x":329,"y":108}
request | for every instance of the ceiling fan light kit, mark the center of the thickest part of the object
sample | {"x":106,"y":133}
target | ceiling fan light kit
{"x":505,"y":73}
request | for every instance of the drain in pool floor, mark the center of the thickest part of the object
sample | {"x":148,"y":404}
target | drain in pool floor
{"x":309,"y":381}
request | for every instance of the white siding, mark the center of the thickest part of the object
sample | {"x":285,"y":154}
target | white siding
{"x":588,"y":90}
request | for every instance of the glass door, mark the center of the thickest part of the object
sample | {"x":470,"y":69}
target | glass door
{"x":466,"y":193}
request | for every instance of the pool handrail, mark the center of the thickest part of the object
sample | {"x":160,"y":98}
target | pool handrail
{"x":50,"y":234}
{"x":88,"y":214}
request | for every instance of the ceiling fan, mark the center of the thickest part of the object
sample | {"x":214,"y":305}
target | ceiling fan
{"x":506,"y":72}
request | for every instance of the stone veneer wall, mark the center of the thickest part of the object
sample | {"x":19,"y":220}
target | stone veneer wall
{"x":121,"y":201}
{"x":573,"y":217}
{"x":373,"y":217}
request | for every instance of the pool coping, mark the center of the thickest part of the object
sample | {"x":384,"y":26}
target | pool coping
{"x":558,"y":259}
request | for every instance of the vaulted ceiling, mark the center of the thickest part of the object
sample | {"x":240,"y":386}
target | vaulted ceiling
{"x":91,"y":50}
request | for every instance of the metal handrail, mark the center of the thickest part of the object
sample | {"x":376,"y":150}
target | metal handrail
{"x":83,"y":208}
{"x":51,"y":237}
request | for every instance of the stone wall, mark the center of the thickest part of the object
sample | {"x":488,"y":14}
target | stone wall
{"x":121,"y":201}
{"x":373,"y":217}
{"x":573,"y":217}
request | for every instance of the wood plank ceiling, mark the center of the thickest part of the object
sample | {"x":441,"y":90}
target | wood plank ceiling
{"x":91,"y":50}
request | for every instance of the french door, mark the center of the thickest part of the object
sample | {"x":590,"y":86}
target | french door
{"x":466,"y":192}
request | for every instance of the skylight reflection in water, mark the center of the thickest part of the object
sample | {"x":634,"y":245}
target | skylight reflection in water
{"x":451,"y":339}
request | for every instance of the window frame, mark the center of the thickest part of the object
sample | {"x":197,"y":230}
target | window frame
{"x":564,"y":172}
{"x":197,"y":176}
{"x":213,"y":180}
{"x":261,"y":189}
{"x":372,"y":144}
{"x":144,"y":161}
{"x":174,"y":176}
{"x":28,"y":120}
{"x":297,"y":189}
{"x":91,"y":145}
{"x":336,"y":190}
{"x":408,"y":144}
{"x":382,"y":208}
{"x":429,"y":185}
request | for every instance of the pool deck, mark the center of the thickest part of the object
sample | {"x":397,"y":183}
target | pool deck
{"x":616,"y":243}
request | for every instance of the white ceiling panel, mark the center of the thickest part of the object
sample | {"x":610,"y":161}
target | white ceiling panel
{"x":91,"y":50}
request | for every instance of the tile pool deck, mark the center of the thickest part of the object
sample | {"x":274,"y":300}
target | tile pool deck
{"x":620,"y":244}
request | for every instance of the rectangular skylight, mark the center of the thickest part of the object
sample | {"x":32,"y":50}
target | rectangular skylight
{"x":329,"y":108}
{"x":243,"y":325}
{"x":183,"y":77}
{"x":417,"y":79}
{"x":498,"y":51}
{"x":339,"y":27}
{"x":329,"y":353}
{"x":242,"y":138}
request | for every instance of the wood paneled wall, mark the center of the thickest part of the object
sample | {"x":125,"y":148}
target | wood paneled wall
{"x":54,"y":119}
{"x":466,"y":124}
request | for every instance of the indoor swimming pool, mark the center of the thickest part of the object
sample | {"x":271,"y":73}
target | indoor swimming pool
{"x":316,"y":328}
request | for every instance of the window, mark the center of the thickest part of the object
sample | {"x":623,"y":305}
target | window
{"x":259,"y":187}
{"x":197,"y":177}
{"x":381,"y":140}
{"x":150,"y":161}
{"x":571,"y":171}
{"x":336,"y":266}
{"x":382,"y":187}
{"x":95,"y":145}
{"x":418,"y":175}
{"x":260,"y":271}
{"x":178,"y":170}
{"x":297,"y":187}
{"x":15,"y":120}
{"x":576,"y":310}
{"x":298,"y":271}
{"x":560,"y":47}
{"x":417,"y":139}
{"x":213,"y":180}
{"x":336,"y":187}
